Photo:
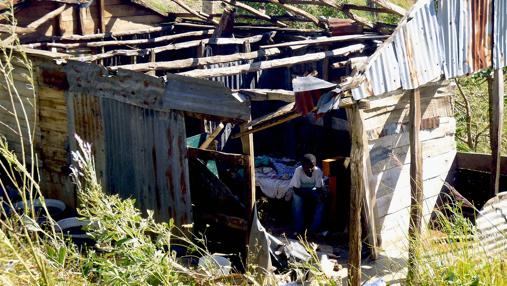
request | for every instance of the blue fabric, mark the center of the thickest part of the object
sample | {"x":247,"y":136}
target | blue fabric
{"x":300,"y":201}
{"x":283,"y":170}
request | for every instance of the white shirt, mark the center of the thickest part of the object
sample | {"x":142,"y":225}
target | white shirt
{"x":301,"y":180}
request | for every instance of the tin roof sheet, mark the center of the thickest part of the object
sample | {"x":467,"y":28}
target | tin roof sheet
{"x":447,"y":37}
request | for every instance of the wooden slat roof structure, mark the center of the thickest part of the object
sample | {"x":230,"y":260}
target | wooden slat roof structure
{"x":228,"y":46}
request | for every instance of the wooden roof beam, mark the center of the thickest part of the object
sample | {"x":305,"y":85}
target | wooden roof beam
{"x":296,"y":11}
{"x":368,"y":9}
{"x":270,"y":64}
{"x":335,"y":39}
{"x":35,"y":24}
{"x":124,"y":42}
{"x":171,"y":47}
{"x":198,"y":14}
{"x":254,"y":11}
{"x":113,"y":34}
{"x":197,"y":62}
{"x":8,"y":29}
{"x":391,"y":6}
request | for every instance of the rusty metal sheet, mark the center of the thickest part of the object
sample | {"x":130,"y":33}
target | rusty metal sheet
{"x":500,"y":34}
{"x":139,"y":143}
{"x":146,"y":159}
{"x":448,"y":37}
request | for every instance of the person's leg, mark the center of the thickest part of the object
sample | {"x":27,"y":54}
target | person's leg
{"x":297,"y":213}
{"x":318,"y":215}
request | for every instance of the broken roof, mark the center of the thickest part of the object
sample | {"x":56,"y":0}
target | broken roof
{"x":435,"y":40}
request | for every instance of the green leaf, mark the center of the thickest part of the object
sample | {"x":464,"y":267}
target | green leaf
{"x":62,"y":254}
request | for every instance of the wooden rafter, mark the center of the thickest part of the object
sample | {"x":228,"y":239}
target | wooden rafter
{"x":113,"y":34}
{"x":296,"y":11}
{"x":16,"y":29}
{"x":270,"y":64}
{"x":255,"y":12}
{"x":198,"y":14}
{"x":391,"y":7}
{"x":35,"y":24}
{"x":171,"y":47}
{"x":335,"y":39}
{"x":156,"y":40}
{"x":212,"y":136}
{"x":197,"y":62}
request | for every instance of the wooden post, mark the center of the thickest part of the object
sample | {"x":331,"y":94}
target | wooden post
{"x":325,"y":69}
{"x":356,"y":194}
{"x":153,"y":59}
{"x":248,"y":149}
{"x":81,"y":20}
{"x":57,"y":23}
{"x":496,"y":102}
{"x":102,"y":23}
{"x":416,"y":178}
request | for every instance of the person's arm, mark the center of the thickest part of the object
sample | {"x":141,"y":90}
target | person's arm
{"x":319,"y":184}
{"x":295,"y":182}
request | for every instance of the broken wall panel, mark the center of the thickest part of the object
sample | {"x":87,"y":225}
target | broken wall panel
{"x":146,"y":159}
{"x":138,"y":142}
{"x":390,"y":156}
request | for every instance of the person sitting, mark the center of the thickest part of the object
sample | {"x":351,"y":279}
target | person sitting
{"x":307,"y":185}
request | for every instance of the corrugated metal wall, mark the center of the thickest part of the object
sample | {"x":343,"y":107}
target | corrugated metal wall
{"x":449,"y":38}
{"x":139,"y":145}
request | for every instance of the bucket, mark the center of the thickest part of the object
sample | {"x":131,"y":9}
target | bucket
{"x":72,"y":228}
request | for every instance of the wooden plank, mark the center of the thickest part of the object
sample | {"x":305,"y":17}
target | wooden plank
{"x":254,"y":11}
{"x":102,"y":22}
{"x":170,"y":47}
{"x":212,"y":136}
{"x":198,"y":14}
{"x":357,"y":192}
{"x":81,"y":16}
{"x":204,"y":154}
{"x":226,"y":22}
{"x":327,"y":40}
{"x":384,"y":159}
{"x":479,"y":162}
{"x":416,"y":180}
{"x":197,"y":62}
{"x":123,"y":10}
{"x":496,"y":112}
{"x":270,"y":64}
{"x":247,"y":144}
{"x":367,"y":8}
{"x":156,"y":40}
{"x":390,"y":7}
{"x":104,"y":35}
{"x":4,"y":28}
{"x":47,"y":17}
{"x":296,"y":11}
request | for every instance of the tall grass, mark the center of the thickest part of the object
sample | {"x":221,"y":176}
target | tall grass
{"x":453,"y":255}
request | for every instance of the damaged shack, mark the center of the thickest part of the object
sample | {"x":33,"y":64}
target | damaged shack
{"x":155,"y":91}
